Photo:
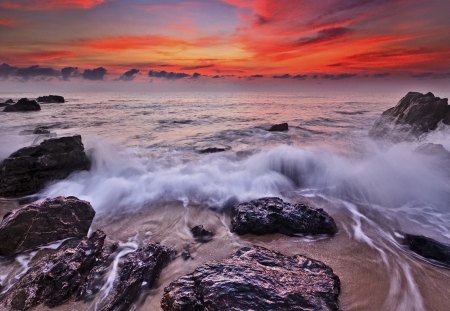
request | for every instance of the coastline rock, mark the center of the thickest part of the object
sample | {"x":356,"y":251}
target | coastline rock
{"x":273,"y":215}
{"x":428,"y":248}
{"x":255,"y":279}
{"x":201,"y":235}
{"x":23,"y":104}
{"x":282,"y":127}
{"x":50,"y":99}
{"x":41,"y":130}
{"x":7,"y":103}
{"x":212,"y":149}
{"x":29,"y":169}
{"x":39,"y":224}
{"x":140,"y":269}
{"x":415,"y":114}
{"x":55,"y":278}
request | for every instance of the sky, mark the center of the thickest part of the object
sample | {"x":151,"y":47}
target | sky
{"x":216,"y":40}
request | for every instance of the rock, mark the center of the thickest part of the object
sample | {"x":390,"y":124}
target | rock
{"x":186,"y":252}
{"x":29,"y":169}
{"x":23,"y":104}
{"x":414,"y":115}
{"x":428,"y":248}
{"x":272,"y":215}
{"x":50,"y":99}
{"x":140,"y":269}
{"x":9,"y":101}
{"x":212,"y":148}
{"x":201,"y":235}
{"x":42,"y":223}
{"x":255,"y":279}
{"x":55,"y":278}
{"x":282,"y":127}
{"x":41,"y":130}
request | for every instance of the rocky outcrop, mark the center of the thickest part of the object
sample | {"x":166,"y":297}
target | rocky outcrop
{"x":415,"y":114}
{"x":256,"y":279}
{"x":7,"y":103}
{"x":29,"y":169}
{"x":140,"y":269}
{"x":273,"y":215}
{"x":42,"y":223}
{"x":51,"y":99}
{"x":56,"y":277}
{"x":24,"y":105}
{"x":428,"y":248}
{"x":201,"y":235}
{"x":282,"y":127}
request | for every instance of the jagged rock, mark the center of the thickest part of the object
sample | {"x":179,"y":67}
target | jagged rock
{"x":273,"y":215}
{"x":50,"y":99}
{"x":428,"y":248}
{"x":29,"y":169}
{"x":23,"y":104}
{"x":139,"y":269}
{"x":255,"y":279}
{"x":414,"y":115}
{"x":201,"y":235}
{"x":212,"y":148}
{"x":42,"y":223}
{"x":55,"y":278}
{"x":282,"y":127}
{"x":9,"y":101}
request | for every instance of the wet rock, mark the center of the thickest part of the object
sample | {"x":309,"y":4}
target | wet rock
{"x":23,"y":104}
{"x":255,"y":279}
{"x":212,"y":148}
{"x":29,"y":169}
{"x":273,"y":215}
{"x":282,"y":127}
{"x":41,"y":130}
{"x":42,"y":223}
{"x":55,"y":278}
{"x":186,"y":252}
{"x":7,"y":103}
{"x":201,"y":235}
{"x":415,"y":114}
{"x":139,"y":269}
{"x":428,"y":248}
{"x":50,"y":99}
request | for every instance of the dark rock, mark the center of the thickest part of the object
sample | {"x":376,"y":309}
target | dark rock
{"x":212,"y":149}
{"x":273,"y":215}
{"x":9,"y":101}
{"x":414,"y":115}
{"x":201,"y":235}
{"x":282,"y":127}
{"x":140,"y":269}
{"x":186,"y":252}
{"x":55,"y":278}
{"x":29,"y":169}
{"x":50,"y":99}
{"x":41,"y":130}
{"x":255,"y":279}
{"x":428,"y":248}
{"x":39,"y":224}
{"x":23,"y":104}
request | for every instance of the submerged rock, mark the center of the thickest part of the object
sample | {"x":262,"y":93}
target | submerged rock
{"x":24,"y":104}
{"x":41,"y":130}
{"x":42,"y":223}
{"x":201,"y":235}
{"x":55,"y":278}
{"x":282,"y":127}
{"x":415,"y":114}
{"x":255,"y":279}
{"x":29,"y":169}
{"x":273,"y":215}
{"x":428,"y":248}
{"x":139,"y":269}
{"x":51,"y":99}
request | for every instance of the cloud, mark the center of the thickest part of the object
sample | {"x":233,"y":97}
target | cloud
{"x":129,"y":75}
{"x":48,"y":5}
{"x":96,"y":74}
{"x":69,"y":72}
{"x":300,"y":77}
{"x":196,"y":75}
{"x":197,"y":67}
{"x":7,"y":22}
{"x":380,"y":75}
{"x":431,"y":75}
{"x":324,"y":35}
{"x":282,"y":76}
{"x":36,"y":71}
{"x":6,"y":70}
{"x":167,"y":75}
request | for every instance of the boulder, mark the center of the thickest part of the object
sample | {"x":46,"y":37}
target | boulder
{"x":55,"y":278}
{"x":415,"y":114}
{"x":29,"y":169}
{"x":51,"y":99}
{"x":282,"y":127}
{"x":273,"y":215}
{"x":9,"y":101}
{"x":428,"y":248}
{"x":201,"y":235}
{"x":42,"y":223}
{"x":255,"y":278}
{"x":23,"y":104}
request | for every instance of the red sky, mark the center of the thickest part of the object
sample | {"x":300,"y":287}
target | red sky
{"x":295,"y":39}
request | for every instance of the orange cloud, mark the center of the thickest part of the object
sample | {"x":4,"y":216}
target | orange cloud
{"x":48,"y":5}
